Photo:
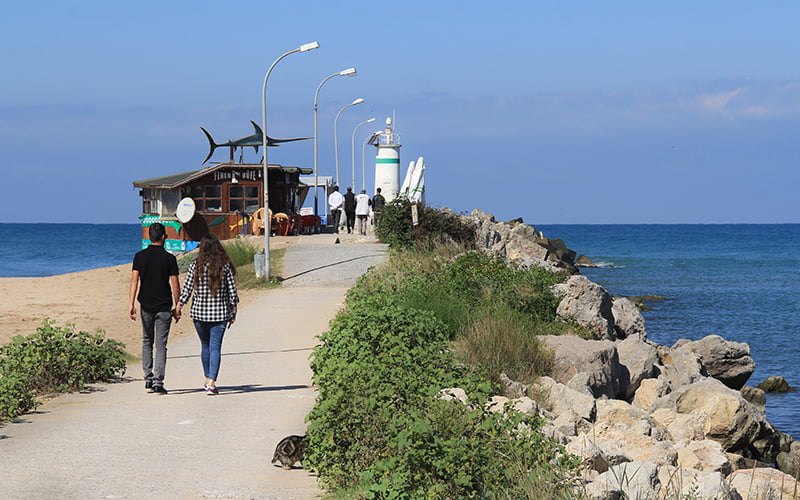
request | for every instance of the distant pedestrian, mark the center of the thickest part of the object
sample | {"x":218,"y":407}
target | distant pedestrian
{"x":378,"y":202}
{"x":210,"y":277}
{"x":350,"y":208}
{"x":155,"y":278}
{"x":335,"y":203}
{"x":362,"y":211}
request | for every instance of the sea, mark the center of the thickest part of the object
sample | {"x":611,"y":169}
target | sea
{"x":739,"y":281}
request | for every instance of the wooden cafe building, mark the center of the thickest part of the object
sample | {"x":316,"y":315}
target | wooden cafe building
{"x":227,"y":201}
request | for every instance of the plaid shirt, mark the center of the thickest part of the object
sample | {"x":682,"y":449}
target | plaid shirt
{"x":204,"y":306}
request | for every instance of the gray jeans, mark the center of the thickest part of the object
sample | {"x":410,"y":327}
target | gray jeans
{"x":155,"y":329}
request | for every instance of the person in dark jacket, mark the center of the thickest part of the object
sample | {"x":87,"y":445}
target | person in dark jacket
{"x":378,"y":201}
{"x":350,"y":209}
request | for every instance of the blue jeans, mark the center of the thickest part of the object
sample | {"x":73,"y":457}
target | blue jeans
{"x":155,"y":331}
{"x":211,"y":345}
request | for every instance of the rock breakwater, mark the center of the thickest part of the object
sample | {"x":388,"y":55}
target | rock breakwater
{"x":669,"y":419}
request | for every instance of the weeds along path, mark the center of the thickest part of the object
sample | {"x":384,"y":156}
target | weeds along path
{"x":118,"y":441}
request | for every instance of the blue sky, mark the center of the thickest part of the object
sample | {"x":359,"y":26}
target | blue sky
{"x":557,"y":112}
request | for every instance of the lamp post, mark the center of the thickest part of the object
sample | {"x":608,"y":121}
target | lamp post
{"x":353,"y":151}
{"x":336,"y":136}
{"x":346,"y":72}
{"x":267,"y":221}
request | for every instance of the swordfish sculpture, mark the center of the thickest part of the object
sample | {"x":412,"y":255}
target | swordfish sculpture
{"x":254,"y":140}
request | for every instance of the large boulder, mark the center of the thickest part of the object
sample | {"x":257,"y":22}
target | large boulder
{"x":775,"y":384}
{"x":727,"y":417}
{"x":764,"y":484}
{"x":614,"y":412}
{"x":705,"y":455}
{"x":628,"y":320}
{"x":589,"y":304}
{"x":757,"y":397}
{"x":638,"y":359}
{"x":679,"y":367}
{"x":682,"y":483}
{"x":681,"y":425}
{"x":561,"y":399}
{"x":789,"y":461}
{"x":727,"y":361}
{"x":630,"y":445}
{"x":626,"y":480}
{"x":649,"y":391}
{"x":592,"y":457}
{"x":521,"y":243}
{"x":597,"y":358}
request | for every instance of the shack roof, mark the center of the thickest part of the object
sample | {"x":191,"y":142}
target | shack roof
{"x":176,"y":180}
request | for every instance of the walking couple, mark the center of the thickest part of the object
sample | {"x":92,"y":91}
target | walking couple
{"x":210,"y":278}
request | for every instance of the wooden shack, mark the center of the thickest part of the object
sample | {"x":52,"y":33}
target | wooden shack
{"x":225,"y":195}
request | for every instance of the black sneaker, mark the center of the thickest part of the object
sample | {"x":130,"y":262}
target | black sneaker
{"x":148,"y":385}
{"x":159,"y":389}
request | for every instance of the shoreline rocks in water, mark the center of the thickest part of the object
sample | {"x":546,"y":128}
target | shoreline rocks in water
{"x":776,"y":384}
{"x":672,"y":420}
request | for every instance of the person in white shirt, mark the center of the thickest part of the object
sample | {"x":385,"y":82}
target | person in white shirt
{"x":362,"y":211}
{"x":335,"y":202}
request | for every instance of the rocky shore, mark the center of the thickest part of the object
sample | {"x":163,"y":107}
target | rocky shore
{"x":647,"y":420}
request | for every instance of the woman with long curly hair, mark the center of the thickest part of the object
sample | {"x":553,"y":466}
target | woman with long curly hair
{"x":213,"y":310}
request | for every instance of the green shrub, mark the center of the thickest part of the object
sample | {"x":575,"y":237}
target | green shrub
{"x":378,"y":429}
{"x":359,"y":395}
{"x":452,"y":450}
{"x":58,"y":359}
{"x":435,"y":227}
{"x":428,"y":320}
{"x":15,"y":398}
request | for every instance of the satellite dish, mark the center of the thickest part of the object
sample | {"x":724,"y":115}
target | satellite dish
{"x":185,"y":210}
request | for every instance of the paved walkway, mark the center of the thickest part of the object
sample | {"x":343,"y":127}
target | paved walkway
{"x":118,"y":441}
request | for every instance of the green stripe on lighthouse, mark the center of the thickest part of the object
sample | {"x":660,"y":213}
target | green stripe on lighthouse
{"x":387,"y":160}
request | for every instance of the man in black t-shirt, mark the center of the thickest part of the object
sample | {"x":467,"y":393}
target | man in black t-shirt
{"x":157,"y":271}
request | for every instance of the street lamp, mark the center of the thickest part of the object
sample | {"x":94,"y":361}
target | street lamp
{"x":353,"y":150}
{"x":267,"y":221}
{"x":336,"y":136}
{"x":346,"y":72}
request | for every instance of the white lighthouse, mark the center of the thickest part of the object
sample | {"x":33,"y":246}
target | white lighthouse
{"x":387,"y":162}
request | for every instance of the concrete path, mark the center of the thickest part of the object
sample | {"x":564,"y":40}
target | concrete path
{"x":118,"y":441}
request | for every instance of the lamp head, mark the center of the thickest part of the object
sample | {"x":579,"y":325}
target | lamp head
{"x":357,"y":101}
{"x":370,"y":120}
{"x":309,"y":46}
{"x":348,"y":72}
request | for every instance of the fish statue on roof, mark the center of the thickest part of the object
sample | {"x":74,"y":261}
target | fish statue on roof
{"x":255,"y":140}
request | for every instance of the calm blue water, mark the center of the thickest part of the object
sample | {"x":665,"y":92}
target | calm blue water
{"x":49,"y":249}
{"x":739,"y":281}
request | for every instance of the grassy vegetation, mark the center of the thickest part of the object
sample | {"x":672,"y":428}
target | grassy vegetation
{"x":54,"y":359}
{"x":241,"y":252}
{"x":432,"y":318}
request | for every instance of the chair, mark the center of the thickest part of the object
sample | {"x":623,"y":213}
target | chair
{"x":257,"y":227}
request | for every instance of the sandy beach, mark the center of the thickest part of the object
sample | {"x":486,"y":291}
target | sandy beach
{"x":92,"y":300}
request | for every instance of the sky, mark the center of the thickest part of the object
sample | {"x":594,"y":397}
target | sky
{"x":578,"y":112}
